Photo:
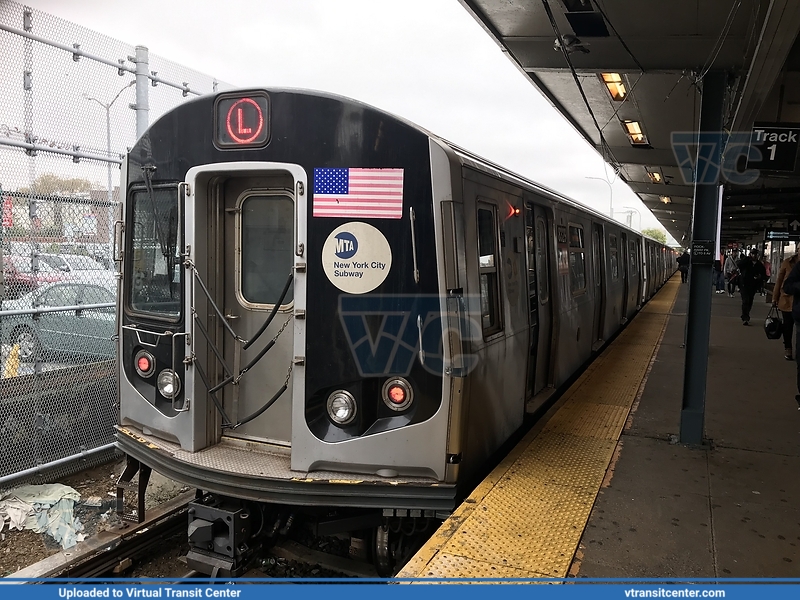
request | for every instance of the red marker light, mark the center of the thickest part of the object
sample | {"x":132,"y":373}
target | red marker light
{"x":397,"y":394}
{"x":144,"y":363}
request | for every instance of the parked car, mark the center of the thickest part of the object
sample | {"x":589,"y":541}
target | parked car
{"x":81,"y":268}
{"x":76,"y":332}
{"x":20,"y":278}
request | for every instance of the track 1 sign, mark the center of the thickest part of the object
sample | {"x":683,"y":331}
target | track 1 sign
{"x":777,"y":145}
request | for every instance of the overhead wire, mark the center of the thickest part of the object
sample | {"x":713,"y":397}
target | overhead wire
{"x":603,"y":143}
{"x":717,"y":48}
{"x":619,"y":37}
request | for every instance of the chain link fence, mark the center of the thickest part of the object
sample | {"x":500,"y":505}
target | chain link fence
{"x":73,"y":102}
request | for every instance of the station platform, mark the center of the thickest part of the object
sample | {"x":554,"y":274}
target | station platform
{"x":601,"y":486}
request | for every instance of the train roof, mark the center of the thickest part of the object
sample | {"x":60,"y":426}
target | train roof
{"x":468,"y":158}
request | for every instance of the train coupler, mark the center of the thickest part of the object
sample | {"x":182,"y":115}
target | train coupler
{"x":221,"y":535}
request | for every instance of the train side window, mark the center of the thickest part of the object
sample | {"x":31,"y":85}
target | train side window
{"x":577,"y":260}
{"x":265,"y":256}
{"x":487,"y":267}
{"x":542,"y":268}
{"x":634,"y":262}
{"x":612,"y":247}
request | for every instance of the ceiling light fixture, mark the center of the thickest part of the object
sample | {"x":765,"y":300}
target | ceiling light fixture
{"x":635,"y":133}
{"x":665,"y":199}
{"x":615,"y":86}
{"x":655,"y":175}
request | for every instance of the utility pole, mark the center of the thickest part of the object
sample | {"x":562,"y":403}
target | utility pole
{"x":109,"y":189}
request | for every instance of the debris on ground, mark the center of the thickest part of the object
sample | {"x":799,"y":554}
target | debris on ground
{"x":43,"y":508}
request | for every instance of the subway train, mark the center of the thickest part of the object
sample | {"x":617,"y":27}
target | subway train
{"x":326,"y":310}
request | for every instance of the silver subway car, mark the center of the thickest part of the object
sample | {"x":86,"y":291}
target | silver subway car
{"x":325,"y":306}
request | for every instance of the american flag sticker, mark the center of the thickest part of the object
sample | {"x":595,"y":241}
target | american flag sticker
{"x":358,"y":193}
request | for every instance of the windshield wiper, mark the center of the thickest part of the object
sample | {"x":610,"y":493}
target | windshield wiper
{"x":164,"y":244}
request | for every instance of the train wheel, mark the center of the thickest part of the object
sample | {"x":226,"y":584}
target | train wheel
{"x":382,"y":551}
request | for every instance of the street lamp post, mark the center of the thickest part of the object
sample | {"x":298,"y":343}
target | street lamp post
{"x":110,"y":195}
{"x":630,"y":210}
{"x":610,"y":194}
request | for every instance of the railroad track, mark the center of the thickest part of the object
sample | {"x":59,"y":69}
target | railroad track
{"x":113,"y":551}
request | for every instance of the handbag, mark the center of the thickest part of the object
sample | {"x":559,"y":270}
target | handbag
{"x":773,"y":324}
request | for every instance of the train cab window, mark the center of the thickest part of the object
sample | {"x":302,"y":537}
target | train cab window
{"x":613,"y":259}
{"x":487,"y":266}
{"x":577,"y":260}
{"x":155,"y":276}
{"x":542,"y":270}
{"x":634,"y":262}
{"x":265,"y":249}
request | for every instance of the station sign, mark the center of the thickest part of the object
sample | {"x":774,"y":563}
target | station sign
{"x":785,"y":236}
{"x":703,"y":252}
{"x":777,"y":144}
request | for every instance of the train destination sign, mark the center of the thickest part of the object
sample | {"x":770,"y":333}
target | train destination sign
{"x":241,"y":121}
{"x":777,"y":144}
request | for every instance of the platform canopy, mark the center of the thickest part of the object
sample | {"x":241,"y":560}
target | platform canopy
{"x":628,"y":74}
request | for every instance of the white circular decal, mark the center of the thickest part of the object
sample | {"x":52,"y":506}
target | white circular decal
{"x":356,"y":258}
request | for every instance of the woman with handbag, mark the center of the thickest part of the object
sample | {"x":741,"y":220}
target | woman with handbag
{"x":783,"y":302}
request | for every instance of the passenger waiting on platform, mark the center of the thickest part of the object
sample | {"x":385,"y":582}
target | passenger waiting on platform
{"x":768,"y":274}
{"x":752,"y":273}
{"x":732,"y":272}
{"x":683,"y":266}
{"x":791,"y":286}
{"x":783,"y":302}
{"x":718,"y":278}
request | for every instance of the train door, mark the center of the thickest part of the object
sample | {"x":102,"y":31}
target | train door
{"x":624,"y":273}
{"x":542,"y":261}
{"x":598,"y":274}
{"x":533,"y":301}
{"x":257,"y":259}
{"x":538,"y":299}
{"x":245,"y":226}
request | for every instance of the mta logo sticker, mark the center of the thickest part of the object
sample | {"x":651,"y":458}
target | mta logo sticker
{"x":346,"y":245}
{"x":387,"y":333}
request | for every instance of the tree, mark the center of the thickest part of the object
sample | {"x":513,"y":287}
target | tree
{"x":49,"y":184}
{"x":656,"y":234}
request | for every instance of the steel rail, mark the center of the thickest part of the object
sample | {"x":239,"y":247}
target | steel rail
{"x":102,"y":553}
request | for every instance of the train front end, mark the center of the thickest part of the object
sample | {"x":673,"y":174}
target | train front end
{"x":281,"y":336}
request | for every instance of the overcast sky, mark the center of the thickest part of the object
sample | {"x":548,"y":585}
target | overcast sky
{"x":428,"y":61}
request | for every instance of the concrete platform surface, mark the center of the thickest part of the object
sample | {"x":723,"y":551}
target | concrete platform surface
{"x":728,"y":509}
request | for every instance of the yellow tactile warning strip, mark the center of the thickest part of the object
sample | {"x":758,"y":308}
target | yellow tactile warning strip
{"x":526,"y":518}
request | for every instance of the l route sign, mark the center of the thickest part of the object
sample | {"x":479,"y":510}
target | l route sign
{"x":777,"y":145}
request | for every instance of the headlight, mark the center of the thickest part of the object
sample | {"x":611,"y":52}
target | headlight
{"x":145,"y":363}
{"x":397,"y":393}
{"x":341,"y":407}
{"x":168,"y":383}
